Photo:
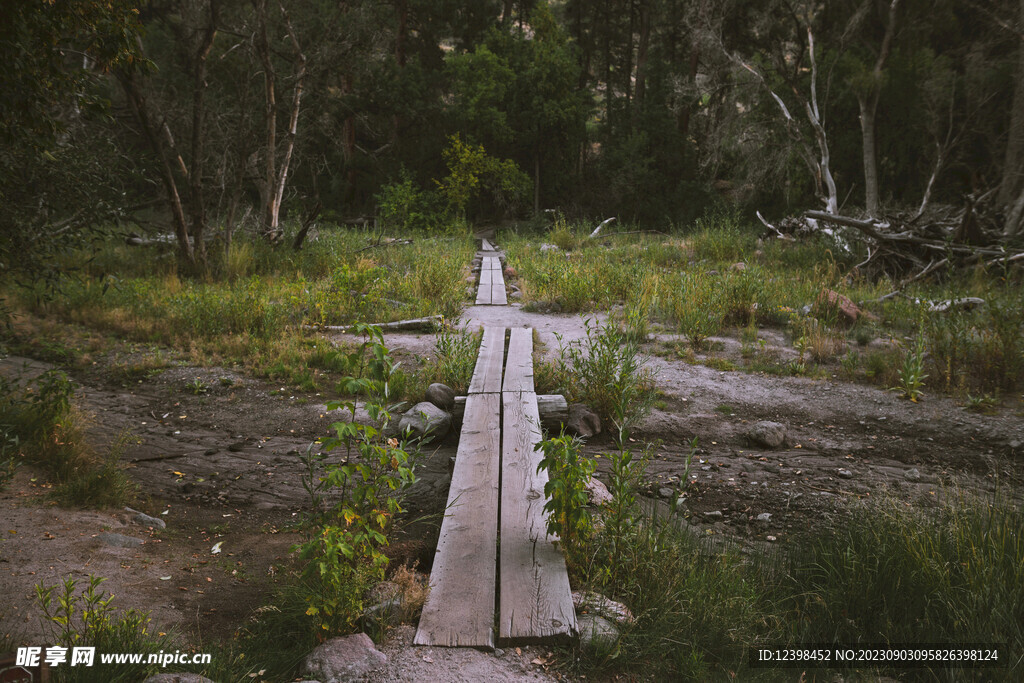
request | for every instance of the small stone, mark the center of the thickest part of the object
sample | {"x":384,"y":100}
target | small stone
{"x":120,"y":540}
{"x":764,"y":517}
{"x":441,"y":395}
{"x":665,"y":492}
{"x":498,"y":652}
{"x":210,"y":451}
{"x":767,"y":434}
{"x":237,"y":446}
{"x":343,"y":659}
{"x":738,"y":267}
{"x":146,"y":520}
{"x":549,"y":247}
{"x":913,"y":474}
{"x":177,"y":678}
{"x":845,"y":474}
{"x":714,"y":514}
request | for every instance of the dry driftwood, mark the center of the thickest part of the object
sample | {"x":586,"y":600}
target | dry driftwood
{"x":428,"y":323}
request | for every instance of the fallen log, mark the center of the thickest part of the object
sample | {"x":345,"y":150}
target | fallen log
{"x":428,"y":323}
{"x":553,"y":409}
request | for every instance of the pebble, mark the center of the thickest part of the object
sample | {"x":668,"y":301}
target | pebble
{"x":665,"y":492}
{"x":714,"y":514}
{"x":913,"y":474}
{"x":845,"y":474}
{"x":764,"y":517}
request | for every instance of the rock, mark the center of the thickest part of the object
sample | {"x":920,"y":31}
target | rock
{"x":738,"y":267}
{"x":425,"y":421}
{"x":515,"y":295}
{"x":714,"y":515}
{"x":845,"y":474}
{"x":237,"y":446}
{"x":382,"y":591}
{"x":381,"y":613}
{"x":549,"y":247}
{"x":830,"y":301}
{"x":597,"y":492}
{"x":510,"y":272}
{"x":597,"y":632}
{"x":913,"y":474}
{"x":583,"y":421}
{"x":119,"y":540}
{"x":665,"y":492}
{"x":441,"y":395}
{"x":177,"y":678}
{"x":589,"y":602}
{"x":471,"y":280}
{"x":767,"y":434}
{"x":764,"y":517}
{"x":343,"y":659}
{"x":146,"y":520}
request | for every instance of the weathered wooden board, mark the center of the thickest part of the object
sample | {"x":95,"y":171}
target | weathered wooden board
{"x":519,"y":366}
{"x":459,"y":611}
{"x":487,"y":246}
{"x":535,"y":600}
{"x":483,"y":292}
{"x":498,"y":295}
{"x":553,"y":408}
{"x":489,"y":364}
{"x":491,"y":263}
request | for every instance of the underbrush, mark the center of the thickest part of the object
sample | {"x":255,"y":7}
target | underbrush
{"x":889,"y":574}
{"x":716,"y":279}
{"x":39,"y":426}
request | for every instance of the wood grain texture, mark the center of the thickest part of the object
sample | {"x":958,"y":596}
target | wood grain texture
{"x":459,"y":611}
{"x":535,"y":600}
{"x":487,"y":375}
{"x":519,"y":366}
{"x":486,"y":245}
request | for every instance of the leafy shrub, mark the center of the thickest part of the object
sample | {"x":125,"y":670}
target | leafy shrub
{"x":607,"y":373}
{"x":346,"y":555}
{"x":568,"y":472}
{"x":89,"y":619}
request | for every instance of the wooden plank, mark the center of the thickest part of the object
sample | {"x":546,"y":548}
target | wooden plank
{"x":486,"y":277}
{"x":487,"y":374}
{"x":535,"y":597}
{"x":483,"y":292}
{"x":487,"y":246}
{"x":459,"y":611}
{"x":492,"y":263}
{"x":498,"y":295}
{"x":519,"y":366}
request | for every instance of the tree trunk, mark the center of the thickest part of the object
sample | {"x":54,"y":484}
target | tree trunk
{"x":269,"y":214}
{"x":1013,"y":167}
{"x":536,"y":181}
{"x":641,"y":52}
{"x":867,"y":129}
{"x":293,"y":119}
{"x":684,"y":110}
{"x":197,"y":201}
{"x":137,"y":102}
{"x":868,"y":103}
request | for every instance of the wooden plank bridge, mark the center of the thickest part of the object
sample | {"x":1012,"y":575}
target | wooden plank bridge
{"x":496,"y":570}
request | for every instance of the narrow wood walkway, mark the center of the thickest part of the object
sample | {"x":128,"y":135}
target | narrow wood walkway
{"x":491,"y":290}
{"x":496,"y":486}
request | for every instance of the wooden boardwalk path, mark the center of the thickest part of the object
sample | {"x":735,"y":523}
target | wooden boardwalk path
{"x":491,"y":289}
{"x":496,"y":487}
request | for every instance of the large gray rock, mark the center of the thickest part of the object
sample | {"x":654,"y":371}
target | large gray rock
{"x":767,"y":434}
{"x":583,"y":421}
{"x":343,"y":659}
{"x":178,"y":678}
{"x":441,"y":395}
{"x":589,"y":602}
{"x":119,"y":540}
{"x":425,"y":420}
{"x":597,"y":632}
{"x":597,"y":492}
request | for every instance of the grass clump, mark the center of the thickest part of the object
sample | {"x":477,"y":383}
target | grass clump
{"x":605,"y":371}
{"x":40,"y":426}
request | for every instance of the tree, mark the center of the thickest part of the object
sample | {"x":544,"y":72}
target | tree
{"x":60,"y":178}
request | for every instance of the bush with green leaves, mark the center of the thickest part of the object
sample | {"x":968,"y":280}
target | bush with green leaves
{"x":569,"y":472}
{"x":605,"y":371}
{"x":89,"y":618}
{"x":345,"y":552}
